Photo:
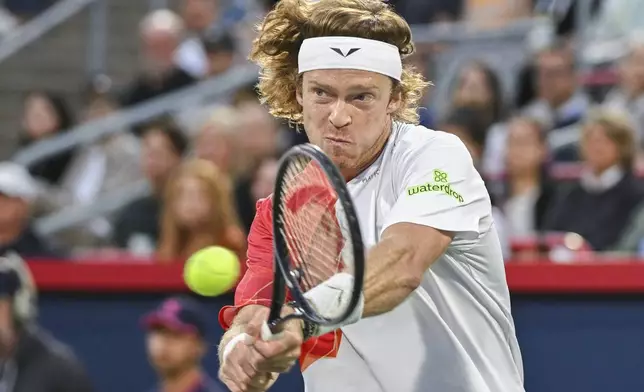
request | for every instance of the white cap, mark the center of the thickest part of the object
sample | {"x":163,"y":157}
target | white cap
{"x":15,"y":181}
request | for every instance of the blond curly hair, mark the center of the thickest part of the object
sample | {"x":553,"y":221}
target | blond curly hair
{"x":281,"y":33}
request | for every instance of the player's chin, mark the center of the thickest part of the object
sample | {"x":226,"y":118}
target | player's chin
{"x":339,"y":151}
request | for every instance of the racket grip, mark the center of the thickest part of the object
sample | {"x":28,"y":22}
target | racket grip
{"x":267,"y":334}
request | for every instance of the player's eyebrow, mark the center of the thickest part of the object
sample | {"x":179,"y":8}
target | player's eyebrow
{"x":355,"y":87}
{"x":363,"y":87}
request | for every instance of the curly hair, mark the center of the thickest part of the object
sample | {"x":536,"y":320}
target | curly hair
{"x":284,"y":29}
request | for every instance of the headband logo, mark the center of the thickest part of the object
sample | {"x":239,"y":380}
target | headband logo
{"x":349,"y":53}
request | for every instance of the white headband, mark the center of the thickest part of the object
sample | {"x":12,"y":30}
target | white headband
{"x":350,"y":53}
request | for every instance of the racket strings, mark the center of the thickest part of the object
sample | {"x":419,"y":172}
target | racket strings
{"x":312,"y":225}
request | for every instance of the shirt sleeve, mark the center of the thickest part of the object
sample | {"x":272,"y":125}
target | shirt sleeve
{"x":439,"y":187}
{"x":256,"y":286}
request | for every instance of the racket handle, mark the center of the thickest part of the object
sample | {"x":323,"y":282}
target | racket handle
{"x":267,"y":334}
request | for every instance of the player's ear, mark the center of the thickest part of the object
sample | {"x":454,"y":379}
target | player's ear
{"x":298,"y":89}
{"x":395,"y":101}
{"x":298,"y":94}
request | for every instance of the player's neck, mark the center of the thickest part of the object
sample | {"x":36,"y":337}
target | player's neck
{"x":182,"y":381}
{"x":371,"y":156}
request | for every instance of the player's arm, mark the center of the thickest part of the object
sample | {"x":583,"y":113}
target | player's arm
{"x":253,"y":292}
{"x":396,"y":265}
{"x":423,"y":221}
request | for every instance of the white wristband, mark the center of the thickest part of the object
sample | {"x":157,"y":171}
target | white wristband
{"x":330,"y":299}
{"x":232,"y":343}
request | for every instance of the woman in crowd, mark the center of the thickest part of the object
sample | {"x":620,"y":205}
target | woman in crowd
{"x":478,"y":86}
{"x":527,"y":193}
{"x":198,"y":211}
{"x":601,"y":204}
{"x":44,"y":115}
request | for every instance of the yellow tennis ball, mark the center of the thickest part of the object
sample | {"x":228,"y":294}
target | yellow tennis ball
{"x":211,"y":271}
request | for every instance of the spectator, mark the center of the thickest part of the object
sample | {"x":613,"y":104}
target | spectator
{"x":468,"y":123}
{"x":176,"y":344}
{"x":600,"y":206}
{"x":264,"y":179}
{"x":528,"y":192}
{"x":259,"y":136}
{"x":46,"y":114}
{"x":137,"y":227}
{"x":198,"y":212}
{"x":632,"y":240}
{"x":97,"y":170}
{"x":161,"y":32}
{"x":628,"y":96}
{"x":477,"y":85}
{"x":423,"y":12}
{"x":199,"y":16}
{"x":245,"y":95}
{"x":217,"y":140}
{"x":220,"y":50}
{"x":219,"y":143}
{"x":559,"y":105}
{"x":18,"y":191}
{"x":495,"y":13}
{"x":30,"y":359}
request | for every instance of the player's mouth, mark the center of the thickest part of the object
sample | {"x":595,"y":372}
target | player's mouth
{"x":337,"y":141}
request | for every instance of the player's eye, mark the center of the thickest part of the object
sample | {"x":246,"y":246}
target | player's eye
{"x":363,"y":97}
{"x":319,"y":92}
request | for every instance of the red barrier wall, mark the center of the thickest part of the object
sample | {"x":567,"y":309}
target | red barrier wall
{"x":543,"y":277}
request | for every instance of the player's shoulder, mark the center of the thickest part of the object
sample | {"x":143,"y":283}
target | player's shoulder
{"x":416,"y":140}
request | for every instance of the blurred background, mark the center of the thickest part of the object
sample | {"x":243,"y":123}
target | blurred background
{"x":132,"y":136}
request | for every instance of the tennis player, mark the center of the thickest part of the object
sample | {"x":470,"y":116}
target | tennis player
{"x":436,"y":313}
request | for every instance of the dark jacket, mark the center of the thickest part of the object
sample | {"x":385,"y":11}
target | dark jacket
{"x":43,"y":364}
{"x":601,"y":217}
{"x":30,"y":246}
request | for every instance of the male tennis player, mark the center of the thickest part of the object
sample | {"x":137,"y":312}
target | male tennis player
{"x":436,"y":314}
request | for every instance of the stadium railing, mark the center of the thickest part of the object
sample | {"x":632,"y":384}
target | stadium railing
{"x":40,"y":25}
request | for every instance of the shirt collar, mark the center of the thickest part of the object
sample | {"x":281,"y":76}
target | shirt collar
{"x":603,"y":182}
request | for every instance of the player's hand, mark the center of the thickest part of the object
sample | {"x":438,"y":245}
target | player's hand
{"x":279,"y":354}
{"x":239,"y":371}
{"x":248,"y":369}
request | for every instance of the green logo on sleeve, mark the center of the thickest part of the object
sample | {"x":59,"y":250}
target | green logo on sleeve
{"x":440,"y":185}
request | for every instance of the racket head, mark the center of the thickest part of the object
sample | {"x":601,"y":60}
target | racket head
{"x":316,"y":232}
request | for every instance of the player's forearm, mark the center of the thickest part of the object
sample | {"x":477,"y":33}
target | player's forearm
{"x":396,"y":265}
{"x":389,"y":277}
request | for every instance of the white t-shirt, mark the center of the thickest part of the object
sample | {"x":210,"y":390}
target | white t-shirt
{"x":455,"y":332}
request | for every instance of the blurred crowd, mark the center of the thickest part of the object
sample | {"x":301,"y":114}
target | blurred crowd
{"x":560,"y":155}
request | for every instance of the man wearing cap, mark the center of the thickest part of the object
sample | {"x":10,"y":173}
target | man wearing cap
{"x":176,"y":344}
{"x":18,"y":192}
{"x":30,"y":359}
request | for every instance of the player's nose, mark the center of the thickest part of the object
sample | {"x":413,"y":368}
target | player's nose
{"x":339,"y":116}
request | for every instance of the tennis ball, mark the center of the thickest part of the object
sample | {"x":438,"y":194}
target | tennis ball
{"x":211,"y":271}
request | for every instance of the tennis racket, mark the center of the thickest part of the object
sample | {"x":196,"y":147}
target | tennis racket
{"x":316,"y":238}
